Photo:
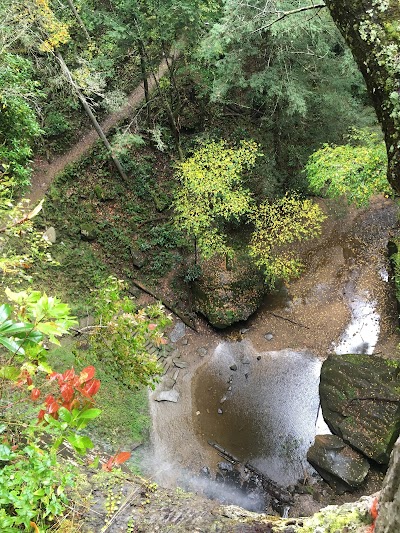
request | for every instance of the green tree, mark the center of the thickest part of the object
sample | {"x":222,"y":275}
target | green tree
{"x":212,"y":195}
{"x":277,"y":225}
{"x":19,"y":93}
{"x":356,"y":170}
{"x":372,"y":32}
{"x":294,"y":73}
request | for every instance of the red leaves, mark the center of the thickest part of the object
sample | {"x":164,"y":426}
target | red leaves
{"x":87,"y":374}
{"x":116,"y":460}
{"x":374,"y":514}
{"x":91,"y":388}
{"x":67,"y":392}
{"x":35,"y":394}
{"x":76,"y":391}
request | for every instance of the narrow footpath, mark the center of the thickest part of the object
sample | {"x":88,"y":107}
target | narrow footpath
{"x":44,"y":172}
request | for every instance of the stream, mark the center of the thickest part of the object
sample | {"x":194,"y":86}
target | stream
{"x":253,"y":389}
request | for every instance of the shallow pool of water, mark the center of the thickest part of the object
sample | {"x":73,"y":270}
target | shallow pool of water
{"x":264,"y":412}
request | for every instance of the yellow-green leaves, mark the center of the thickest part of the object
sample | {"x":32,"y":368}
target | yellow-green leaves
{"x":356,"y":171}
{"x":212,"y":193}
{"x":277,"y":225}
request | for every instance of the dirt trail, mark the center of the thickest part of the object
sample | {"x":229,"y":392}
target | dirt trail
{"x":44,"y":172}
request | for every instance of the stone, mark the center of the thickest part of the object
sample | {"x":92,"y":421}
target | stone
{"x":225,"y":296}
{"x":88,"y":232}
{"x":233,"y":367}
{"x":86,"y":321}
{"x":269,"y":336}
{"x":388,"y":519}
{"x":138,"y":257}
{"x":185,"y":342}
{"x":50,"y":235}
{"x":167,"y":396}
{"x":341,"y":466}
{"x":202,"y":352}
{"x":168,"y":383}
{"x":179,"y":363}
{"x":178,"y":332}
{"x":244,"y":330}
{"x":220,"y":411}
{"x":360,"y":402}
{"x":246,"y":360}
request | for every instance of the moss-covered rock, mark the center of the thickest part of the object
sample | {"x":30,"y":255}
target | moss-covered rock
{"x":360,"y":400}
{"x":225,"y":296}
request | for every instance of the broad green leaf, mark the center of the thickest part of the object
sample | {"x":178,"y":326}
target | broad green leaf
{"x":5,"y":312}
{"x":89,"y":414}
{"x":11,"y":345}
{"x":64,"y":415}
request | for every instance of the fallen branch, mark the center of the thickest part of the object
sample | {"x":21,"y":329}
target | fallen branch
{"x":171,"y":308}
{"x":289,"y":320}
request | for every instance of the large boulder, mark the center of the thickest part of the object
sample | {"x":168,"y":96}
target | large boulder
{"x":341,"y":466}
{"x":361,"y":403}
{"x":225,"y":296}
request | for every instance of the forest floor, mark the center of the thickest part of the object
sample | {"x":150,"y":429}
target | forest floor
{"x":44,"y":171}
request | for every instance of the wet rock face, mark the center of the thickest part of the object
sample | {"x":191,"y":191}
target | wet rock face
{"x":388,"y":519}
{"x":361,"y":403}
{"x":341,"y":466}
{"x":227,"y":296}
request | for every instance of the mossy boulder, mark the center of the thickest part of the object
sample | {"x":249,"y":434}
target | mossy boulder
{"x":360,"y":400}
{"x":227,"y":294}
{"x":88,"y":231}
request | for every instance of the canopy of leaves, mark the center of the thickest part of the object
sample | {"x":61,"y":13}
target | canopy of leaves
{"x":356,"y":170}
{"x":295,"y":73}
{"x":279,"y":224}
{"x":212,"y":194}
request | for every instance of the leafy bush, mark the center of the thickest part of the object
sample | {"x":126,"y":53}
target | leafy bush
{"x":356,"y":170}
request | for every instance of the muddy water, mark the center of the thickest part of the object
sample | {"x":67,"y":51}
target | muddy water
{"x":343,"y":302}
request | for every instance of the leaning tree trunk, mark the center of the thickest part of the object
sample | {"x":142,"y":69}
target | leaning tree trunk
{"x":371,"y":29}
{"x":92,"y":118}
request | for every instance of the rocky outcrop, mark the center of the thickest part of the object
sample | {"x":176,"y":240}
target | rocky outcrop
{"x":341,"y":466}
{"x":225,"y":296}
{"x":388,"y":520}
{"x":361,"y":403}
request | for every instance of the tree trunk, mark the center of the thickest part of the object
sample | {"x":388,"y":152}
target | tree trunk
{"x":78,"y":18}
{"x":92,"y":118}
{"x":143,"y":68}
{"x":371,"y":29}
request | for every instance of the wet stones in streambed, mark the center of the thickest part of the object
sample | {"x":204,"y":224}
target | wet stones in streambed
{"x":341,"y":466}
{"x":168,"y":396}
{"x":360,"y":402}
{"x":178,"y":332}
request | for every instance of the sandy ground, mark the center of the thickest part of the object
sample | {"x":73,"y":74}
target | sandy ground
{"x":309,"y":314}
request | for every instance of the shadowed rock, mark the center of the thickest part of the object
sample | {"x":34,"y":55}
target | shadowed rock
{"x":360,"y":402}
{"x":341,"y":466}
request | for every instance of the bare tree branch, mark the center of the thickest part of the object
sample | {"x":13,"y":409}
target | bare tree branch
{"x":284,"y":14}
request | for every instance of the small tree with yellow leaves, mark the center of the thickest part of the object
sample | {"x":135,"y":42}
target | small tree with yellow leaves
{"x":212,"y":196}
